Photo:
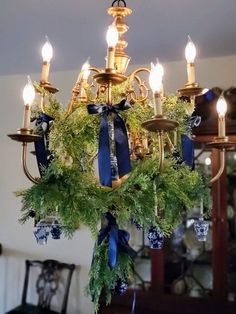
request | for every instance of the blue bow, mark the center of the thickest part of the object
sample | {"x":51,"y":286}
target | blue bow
{"x":118,"y":240}
{"x":121,"y":141}
{"x":41,"y":146}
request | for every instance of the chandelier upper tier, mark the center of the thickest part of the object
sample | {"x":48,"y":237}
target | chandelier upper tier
{"x":135,"y":88}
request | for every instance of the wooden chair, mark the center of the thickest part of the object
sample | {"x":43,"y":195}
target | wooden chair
{"x":47,"y":285}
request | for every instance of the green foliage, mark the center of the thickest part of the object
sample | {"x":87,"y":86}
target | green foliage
{"x":175,"y":190}
{"x":77,"y":197}
{"x":70,"y":189}
{"x":68,"y":192}
{"x":75,"y":136}
{"x":103,"y":279}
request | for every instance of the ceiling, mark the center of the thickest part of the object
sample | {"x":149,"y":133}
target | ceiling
{"x":76,"y":29}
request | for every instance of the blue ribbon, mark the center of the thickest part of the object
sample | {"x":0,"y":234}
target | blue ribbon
{"x":41,"y":146}
{"x":117,"y":239}
{"x":187,"y":150}
{"x":187,"y":143}
{"x":121,"y":141}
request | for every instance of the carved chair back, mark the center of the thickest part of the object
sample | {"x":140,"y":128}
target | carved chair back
{"x":48,"y":281}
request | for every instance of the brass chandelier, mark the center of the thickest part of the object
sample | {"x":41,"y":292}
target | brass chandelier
{"x":101,"y":82}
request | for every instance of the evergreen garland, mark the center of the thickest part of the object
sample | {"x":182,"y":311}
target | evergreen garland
{"x":69,"y":187}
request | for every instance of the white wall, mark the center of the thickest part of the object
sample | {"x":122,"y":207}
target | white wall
{"x":18,"y":241}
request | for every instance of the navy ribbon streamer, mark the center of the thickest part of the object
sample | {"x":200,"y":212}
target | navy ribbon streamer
{"x":118,"y":240}
{"x":41,"y":146}
{"x":121,"y":141}
{"x":187,"y":143}
{"x":187,"y":150}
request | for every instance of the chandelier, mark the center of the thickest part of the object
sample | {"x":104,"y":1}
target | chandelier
{"x":118,"y":143}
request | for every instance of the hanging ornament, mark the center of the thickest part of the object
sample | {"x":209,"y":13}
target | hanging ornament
{"x":137,"y":225}
{"x":41,"y":232}
{"x":121,"y":287}
{"x":56,"y":230}
{"x":155,"y":237}
{"x":201,"y":227}
{"x":114,"y":168}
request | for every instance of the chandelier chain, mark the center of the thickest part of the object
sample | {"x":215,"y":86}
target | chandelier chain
{"x":119,"y":3}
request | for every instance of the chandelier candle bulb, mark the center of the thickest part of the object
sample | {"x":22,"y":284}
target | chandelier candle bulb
{"x":112,"y":40}
{"x":110,"y":58}
{"x":191,"y":73}
{"x":47,"y":53}
{"x":190,"y":54}
{"x":157,"y":104}
{"x":221,"y":107}
{"x":28,"y":97}
{"x":27,"y":115}
{"x":84,"y":73}
{"x":155,"y":82}
{"x":42,"y":103}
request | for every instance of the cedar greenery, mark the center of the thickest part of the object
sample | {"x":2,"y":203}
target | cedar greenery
{"x":69,"y":187}
{"x":102,"y":278}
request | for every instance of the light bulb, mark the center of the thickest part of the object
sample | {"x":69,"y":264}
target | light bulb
{"x":112,"y":36}
{"x":47,"y":51}
{"x":190,"y":51}
{"x":208,"y":161}
{"x":85,"y":70}
{"x":28,"y":93}
{"x":221,"y":107}
{"x":155,"y":77}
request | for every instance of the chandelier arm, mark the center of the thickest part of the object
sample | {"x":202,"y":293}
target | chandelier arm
{"x":134,"y":76}
{"x":131,"y":91}
{"x":169,"y":142}
{"x":76,"y":90}
{"x":75,"y":93}
{"x":109,"y":93}
{"x":135,"y":72}
{"x":24,"y":164}
{"x":42,"y":107}
{"x":222,"y":167}
{"x":91,"y":160}
{"x":175,"y":140}
{"x":142,"y":88}
{"x":161,"y":150}
{"x":95,"y":70}
{"x":97,"y":92}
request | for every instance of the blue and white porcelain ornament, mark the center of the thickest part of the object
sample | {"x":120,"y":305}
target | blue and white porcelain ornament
{"x":114,"y":168}
{"x":137,"y":225}
{"x":41,"y":232}
{"x":56,"y":230}
{"x":201,"y":228}
{"x":156,"y":238}
{"x":121,"y":287}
